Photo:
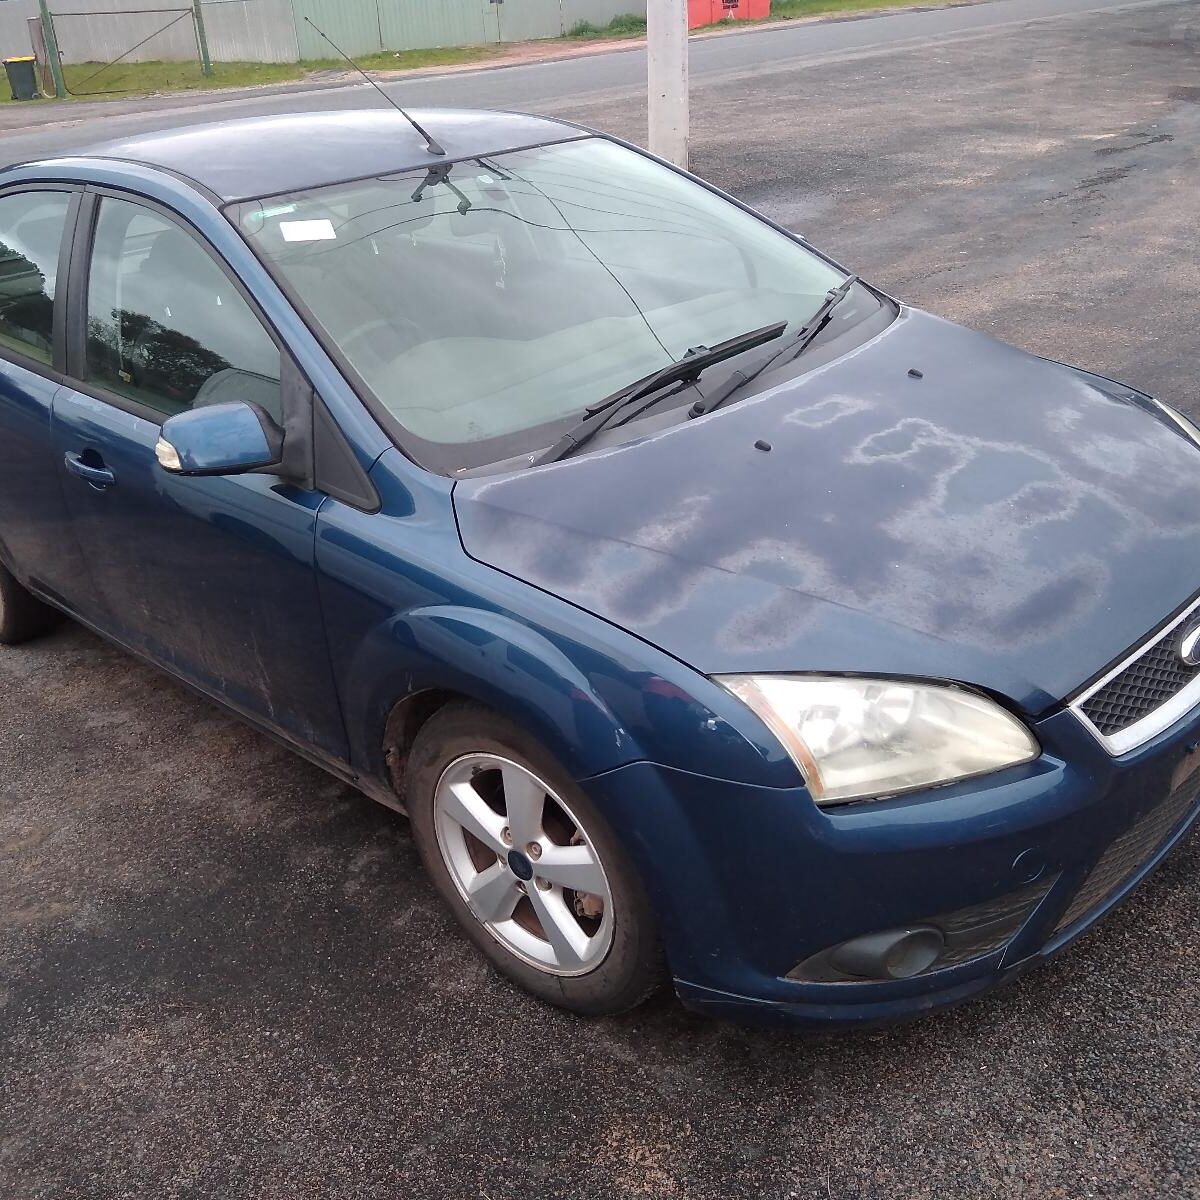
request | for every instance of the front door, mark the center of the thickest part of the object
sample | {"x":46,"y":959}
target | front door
{"x":212,"y":577}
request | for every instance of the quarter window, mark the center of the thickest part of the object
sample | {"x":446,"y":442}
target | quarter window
{"x":166,"y":327}
{"x":31,"y":230}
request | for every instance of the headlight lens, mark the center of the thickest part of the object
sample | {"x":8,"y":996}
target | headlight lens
{"x":856,"y":739}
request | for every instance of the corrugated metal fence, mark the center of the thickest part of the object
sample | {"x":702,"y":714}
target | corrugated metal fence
{"x":275,"y":30}
{"x":365,"y":26}
{"x":100,"y":30}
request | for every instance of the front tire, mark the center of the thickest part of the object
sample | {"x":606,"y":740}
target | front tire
{"x":528,"y":866}
{"x":22,"y":615}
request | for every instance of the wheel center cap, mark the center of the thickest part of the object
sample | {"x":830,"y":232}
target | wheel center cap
{"x":519,"y":865}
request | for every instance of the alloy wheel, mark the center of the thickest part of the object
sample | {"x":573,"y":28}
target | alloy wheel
{"x":523,"y":864}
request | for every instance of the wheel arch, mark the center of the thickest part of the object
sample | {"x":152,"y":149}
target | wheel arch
{"x":404,"y":721}
{"x":442,"y":653}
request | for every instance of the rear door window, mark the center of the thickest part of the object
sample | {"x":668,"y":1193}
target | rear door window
{"x":166,"y":327}
{"x":31,"y":233}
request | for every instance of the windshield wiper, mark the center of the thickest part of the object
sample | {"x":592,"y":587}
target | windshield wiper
{"x":698,"y":359}
{"x":797,"y":346}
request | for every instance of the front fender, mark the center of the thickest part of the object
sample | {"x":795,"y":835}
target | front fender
{"x":501,"y":663}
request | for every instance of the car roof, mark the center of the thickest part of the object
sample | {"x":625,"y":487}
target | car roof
{"x":248,"y":157}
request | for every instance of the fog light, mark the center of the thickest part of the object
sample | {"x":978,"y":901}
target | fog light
{"x":945,"y":940}
{"x":893,"y":954}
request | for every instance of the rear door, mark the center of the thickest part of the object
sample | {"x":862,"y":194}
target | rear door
{"x":35,"y":541}
{"x":212,"y":577}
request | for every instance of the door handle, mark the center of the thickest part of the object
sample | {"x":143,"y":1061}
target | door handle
{"x":99,"y":477}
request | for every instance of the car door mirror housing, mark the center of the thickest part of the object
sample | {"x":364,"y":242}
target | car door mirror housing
{"x":220,"y":439}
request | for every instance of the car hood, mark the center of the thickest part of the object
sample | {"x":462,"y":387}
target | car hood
{"x":1002,"y":521}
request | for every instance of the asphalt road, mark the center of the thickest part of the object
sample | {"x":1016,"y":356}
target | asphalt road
{"x":221,"y":972}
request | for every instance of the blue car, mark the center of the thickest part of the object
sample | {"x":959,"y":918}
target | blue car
{"x":712,"y":616}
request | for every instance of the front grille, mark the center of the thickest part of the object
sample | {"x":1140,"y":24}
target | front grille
{"x":1131,"y":851}
{"x":1145,"y":684}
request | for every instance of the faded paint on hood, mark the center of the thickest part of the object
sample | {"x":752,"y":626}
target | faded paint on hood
{"x":1003,"y":521}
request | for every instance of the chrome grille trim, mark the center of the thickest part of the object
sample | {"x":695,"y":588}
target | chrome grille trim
{"x":1162,"y":718}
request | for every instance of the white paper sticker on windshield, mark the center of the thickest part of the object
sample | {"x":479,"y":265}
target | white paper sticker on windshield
{"x":308,"y":231}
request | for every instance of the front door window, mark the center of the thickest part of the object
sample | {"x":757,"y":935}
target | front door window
{"x":167,"y":329}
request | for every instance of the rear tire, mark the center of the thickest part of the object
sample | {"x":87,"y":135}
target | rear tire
{"x":601,"y":954}
{"x":22,"y":615}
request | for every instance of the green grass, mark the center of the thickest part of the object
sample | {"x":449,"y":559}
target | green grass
{"x":624,"y":25}
{"x":87,"y":79}
{"x":93,"y":79}
{"x":409,"y":60}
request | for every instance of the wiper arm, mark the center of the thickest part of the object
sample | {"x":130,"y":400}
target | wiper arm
{"x":600,"y":415}
{"x":823,"y":315}
{"x":797,"y":346}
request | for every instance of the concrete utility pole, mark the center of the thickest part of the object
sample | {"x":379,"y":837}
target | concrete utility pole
{"x":667,"y":76}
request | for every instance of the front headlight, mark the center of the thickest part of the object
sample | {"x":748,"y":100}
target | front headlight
{"x":856,"y":739}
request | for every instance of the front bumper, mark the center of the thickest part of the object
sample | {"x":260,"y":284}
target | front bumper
{"x":749,"y":881}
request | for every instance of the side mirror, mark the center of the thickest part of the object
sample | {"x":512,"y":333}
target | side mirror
{"x":219,"y":439}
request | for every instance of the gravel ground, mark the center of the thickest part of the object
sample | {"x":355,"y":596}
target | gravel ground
{"x":223,"y":975}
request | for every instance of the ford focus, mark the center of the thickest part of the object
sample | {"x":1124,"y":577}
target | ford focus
{"x":714,"y":617}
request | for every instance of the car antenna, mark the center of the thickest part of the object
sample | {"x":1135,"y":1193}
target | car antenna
{"x":431,"y":144}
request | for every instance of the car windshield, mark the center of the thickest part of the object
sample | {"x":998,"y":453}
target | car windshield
{"x":484,"y":304}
